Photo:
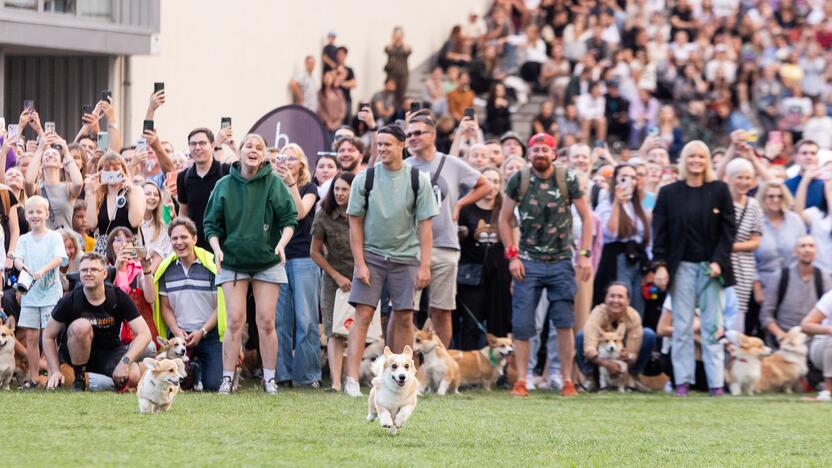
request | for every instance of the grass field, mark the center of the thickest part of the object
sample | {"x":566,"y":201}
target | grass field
{"x":308,"y":427}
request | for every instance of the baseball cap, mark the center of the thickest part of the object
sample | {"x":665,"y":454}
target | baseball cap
{"x":542,"y":138}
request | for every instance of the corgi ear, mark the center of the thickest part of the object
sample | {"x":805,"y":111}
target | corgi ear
{"x":408,"y":351}
{"x":180,"y":368}
{"x":387,"y":351}
{"x":509,"y":337}
{"x":491,"y":339}
{"x":150,"y":363}
{"x":428,"y":326}
{"x":162,"y":342}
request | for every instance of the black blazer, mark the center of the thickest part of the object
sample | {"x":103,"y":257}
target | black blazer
{"x":669,"y":226}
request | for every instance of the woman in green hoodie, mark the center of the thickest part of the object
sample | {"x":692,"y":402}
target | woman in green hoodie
{"x":249,"y":219}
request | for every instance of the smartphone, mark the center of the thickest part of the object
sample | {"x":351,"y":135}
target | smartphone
{"x":49,"y":127}
{"x":106,"y":95}
{"x":652,"y":131}
{"x":469,"y":112}
{"x":415,"y":106}
{"x":103,"y":141}
{"x":158,"y":86}
{"x":86,"y":109}
{"x":148,"y":125}
{"x":2,"y":122}
{"x":752,"y":135}
{"x":775,"y":137}
{"x":13,"y":132}
{"x":111,"y":177}
{"x":363,"y":105}
{"x":138,"y":252}
{"x":29,"y":105}
{"x":281,"y":159}
{"x":141,"y":145}
{"x":225,"y":122}
{"x":599,"y":143}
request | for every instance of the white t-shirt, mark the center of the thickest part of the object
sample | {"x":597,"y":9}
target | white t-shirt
{"x":820,"y":228}
{"x":819,"y":130}
{"x":824,"y":305}
{"x":590,"y":107}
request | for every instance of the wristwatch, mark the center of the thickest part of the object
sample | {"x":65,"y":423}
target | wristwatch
{"x":204,"y":331}
{"x":125,"y":360}
{"x":585,"y":253}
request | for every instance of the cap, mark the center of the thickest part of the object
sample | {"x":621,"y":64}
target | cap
{"x":542,"y":139}
{"x":511,"y":136}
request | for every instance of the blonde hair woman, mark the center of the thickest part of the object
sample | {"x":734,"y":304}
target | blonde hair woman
{"x":297,"y":307}
{"x":694,"y":230}
{"x":154,"y":231}
{"x":44,"y":175}
{"x":112,"y":200}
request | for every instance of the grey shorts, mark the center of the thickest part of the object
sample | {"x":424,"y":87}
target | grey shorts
{"x":399,"y":277}
{"x":275,"y":274}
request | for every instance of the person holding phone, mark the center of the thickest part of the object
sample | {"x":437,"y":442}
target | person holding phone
{"x":249,"y":220}
{"x":112,"y":200}
{"x":131,"y":272}
{"x":51,"y":163}
{"x":693,"y":236}
{"x":626,"y":230}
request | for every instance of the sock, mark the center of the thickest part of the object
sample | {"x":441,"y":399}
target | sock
{"x":268,"y":374}
{"x":228,"y":373}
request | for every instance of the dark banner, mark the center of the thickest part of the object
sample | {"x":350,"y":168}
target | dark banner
{"x":293,"y":124}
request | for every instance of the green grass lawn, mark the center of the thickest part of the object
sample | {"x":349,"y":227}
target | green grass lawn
{"x":308,"y":427}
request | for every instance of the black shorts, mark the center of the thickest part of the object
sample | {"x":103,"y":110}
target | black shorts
{"x":102,"y":360}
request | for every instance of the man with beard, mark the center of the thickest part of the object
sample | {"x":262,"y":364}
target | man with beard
{"x":543,"y":259}
{"x":195,"y":184}
{"x":450,"y":178}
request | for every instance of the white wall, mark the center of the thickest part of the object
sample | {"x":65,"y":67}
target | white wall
{"x":222,"y":58}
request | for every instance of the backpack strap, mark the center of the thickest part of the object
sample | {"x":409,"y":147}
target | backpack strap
{"x":368,"y":186}
{"x":818,"y":281}
{"x":525,"y":181}
{"x":781,"y":290}
{"x":414,"y":184}
{"x":560,"y":178}
{"x":438,"y":170}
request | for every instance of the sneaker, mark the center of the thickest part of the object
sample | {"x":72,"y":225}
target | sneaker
{"x":530,"y":385}
{"x":520,"y":389}
{"x":824,"y":395}
{"x":682,"y":390}
{"x":29,"y":385}
{"x":79,"y":384}
{"x":555,"y":381}
{"x":315,"y":385}
{"x":717,"y":392}
{"x":225,"y":386}
{"x":568,"y":389}
{"x":352,"y":388}
{"x":270,"y":387}
{"x":668,"y":387}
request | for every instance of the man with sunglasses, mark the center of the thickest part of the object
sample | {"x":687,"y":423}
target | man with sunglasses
{"x":450,"y":178}
{"x":87,"y":322}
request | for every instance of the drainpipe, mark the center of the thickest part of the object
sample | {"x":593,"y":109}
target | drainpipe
{"x":126,"y":101}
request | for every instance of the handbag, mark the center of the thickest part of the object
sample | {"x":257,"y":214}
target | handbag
{"x":469,"y":274}
{"x":343,"y":317}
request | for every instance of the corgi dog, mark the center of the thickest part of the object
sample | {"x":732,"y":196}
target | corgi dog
{"x":173,"y":348}
{"x":159,"y":384}
{"x":394,"y":390}
{"x":7,"y":362}
{"x":365,"y":371}
{"x":441,"y":371}
{"x":610,"y":345}
{"x":783,"y":370}
{"x":743,"y":372}
{"x":485,"y":366}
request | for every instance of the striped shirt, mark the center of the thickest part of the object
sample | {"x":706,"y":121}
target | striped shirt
{"x":191,"y":293}
{"x":749,"y":218}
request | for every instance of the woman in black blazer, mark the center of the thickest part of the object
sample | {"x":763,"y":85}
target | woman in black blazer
{"x":693,"y":229}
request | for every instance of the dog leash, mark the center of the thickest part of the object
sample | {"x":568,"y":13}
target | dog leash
{"x":474,"y":318}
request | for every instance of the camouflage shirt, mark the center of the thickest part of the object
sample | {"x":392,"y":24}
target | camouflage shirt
{"x":545,"y":219}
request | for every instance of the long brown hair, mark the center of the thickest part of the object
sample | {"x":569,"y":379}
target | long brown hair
{"x":626,"y":226}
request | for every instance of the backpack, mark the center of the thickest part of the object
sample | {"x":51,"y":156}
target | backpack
{"x":784,"y":284}
{"x":526,"y":180}
{"x":414,"y":184}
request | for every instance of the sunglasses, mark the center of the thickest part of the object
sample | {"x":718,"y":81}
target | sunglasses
{"x":774,"y":197}
{"x":417,"y":133}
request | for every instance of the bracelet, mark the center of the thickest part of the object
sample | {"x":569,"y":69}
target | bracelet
{"x":373,"y":129}
{"x":293,"y":184}
{"x":204,"y":332}
{"x":148,"y":272}
{"x":511,"y":253}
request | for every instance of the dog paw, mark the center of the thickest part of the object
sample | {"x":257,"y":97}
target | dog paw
{"x":370,"y":418}
{"x":393,"y":430}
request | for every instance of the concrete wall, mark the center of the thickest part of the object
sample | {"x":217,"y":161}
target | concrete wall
{"x":220,"y":58}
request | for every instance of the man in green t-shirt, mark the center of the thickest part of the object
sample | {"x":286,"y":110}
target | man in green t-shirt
{"x":543,"y":258}
{"x":390,"y":210}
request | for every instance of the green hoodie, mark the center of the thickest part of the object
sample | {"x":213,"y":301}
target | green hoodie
{"x":248,"y":217}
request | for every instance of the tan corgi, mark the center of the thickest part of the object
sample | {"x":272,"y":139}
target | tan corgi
{"x":743,"y":371}
{"x":173,"y":348}
{"x":783,"y":370}
{"x":394,"y":391}
{"x":7,"y":362}
{"x":159,"y":384}
{"x":441,"y":371}
{"x":483,"y":367}
{"x":610,"y":345}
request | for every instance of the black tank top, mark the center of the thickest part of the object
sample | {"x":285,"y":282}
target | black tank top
{"x":105,"y":225}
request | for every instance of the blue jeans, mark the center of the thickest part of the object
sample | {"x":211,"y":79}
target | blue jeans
{"x":209,"y":354}
{"x":630,"y":274}
{"x":558,"y":279}
{"x":691,"y":287}
{"x":647,"y":345}
{"x":297,"y":313}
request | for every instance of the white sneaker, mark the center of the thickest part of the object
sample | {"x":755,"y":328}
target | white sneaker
{"x":225,"y":386}
{"x":270,"y":387}
{"x":824,"y":395}
{"x":352,"y":388}
{"x":556,"y":381}
{"x":530,"y":384}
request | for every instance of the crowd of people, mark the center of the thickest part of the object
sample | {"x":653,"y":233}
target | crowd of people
{"x":675,"y":186}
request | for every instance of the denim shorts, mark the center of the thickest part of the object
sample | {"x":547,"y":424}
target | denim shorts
{"x":35,"y":317}
{"x":558,"y":279}
{"x":275,"y":274}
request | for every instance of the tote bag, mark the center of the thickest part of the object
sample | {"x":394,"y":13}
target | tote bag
{"x":343,"y":316}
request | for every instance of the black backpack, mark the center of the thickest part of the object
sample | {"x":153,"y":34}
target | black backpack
{"x":784,"y":285}
{"x":368,"y":186}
